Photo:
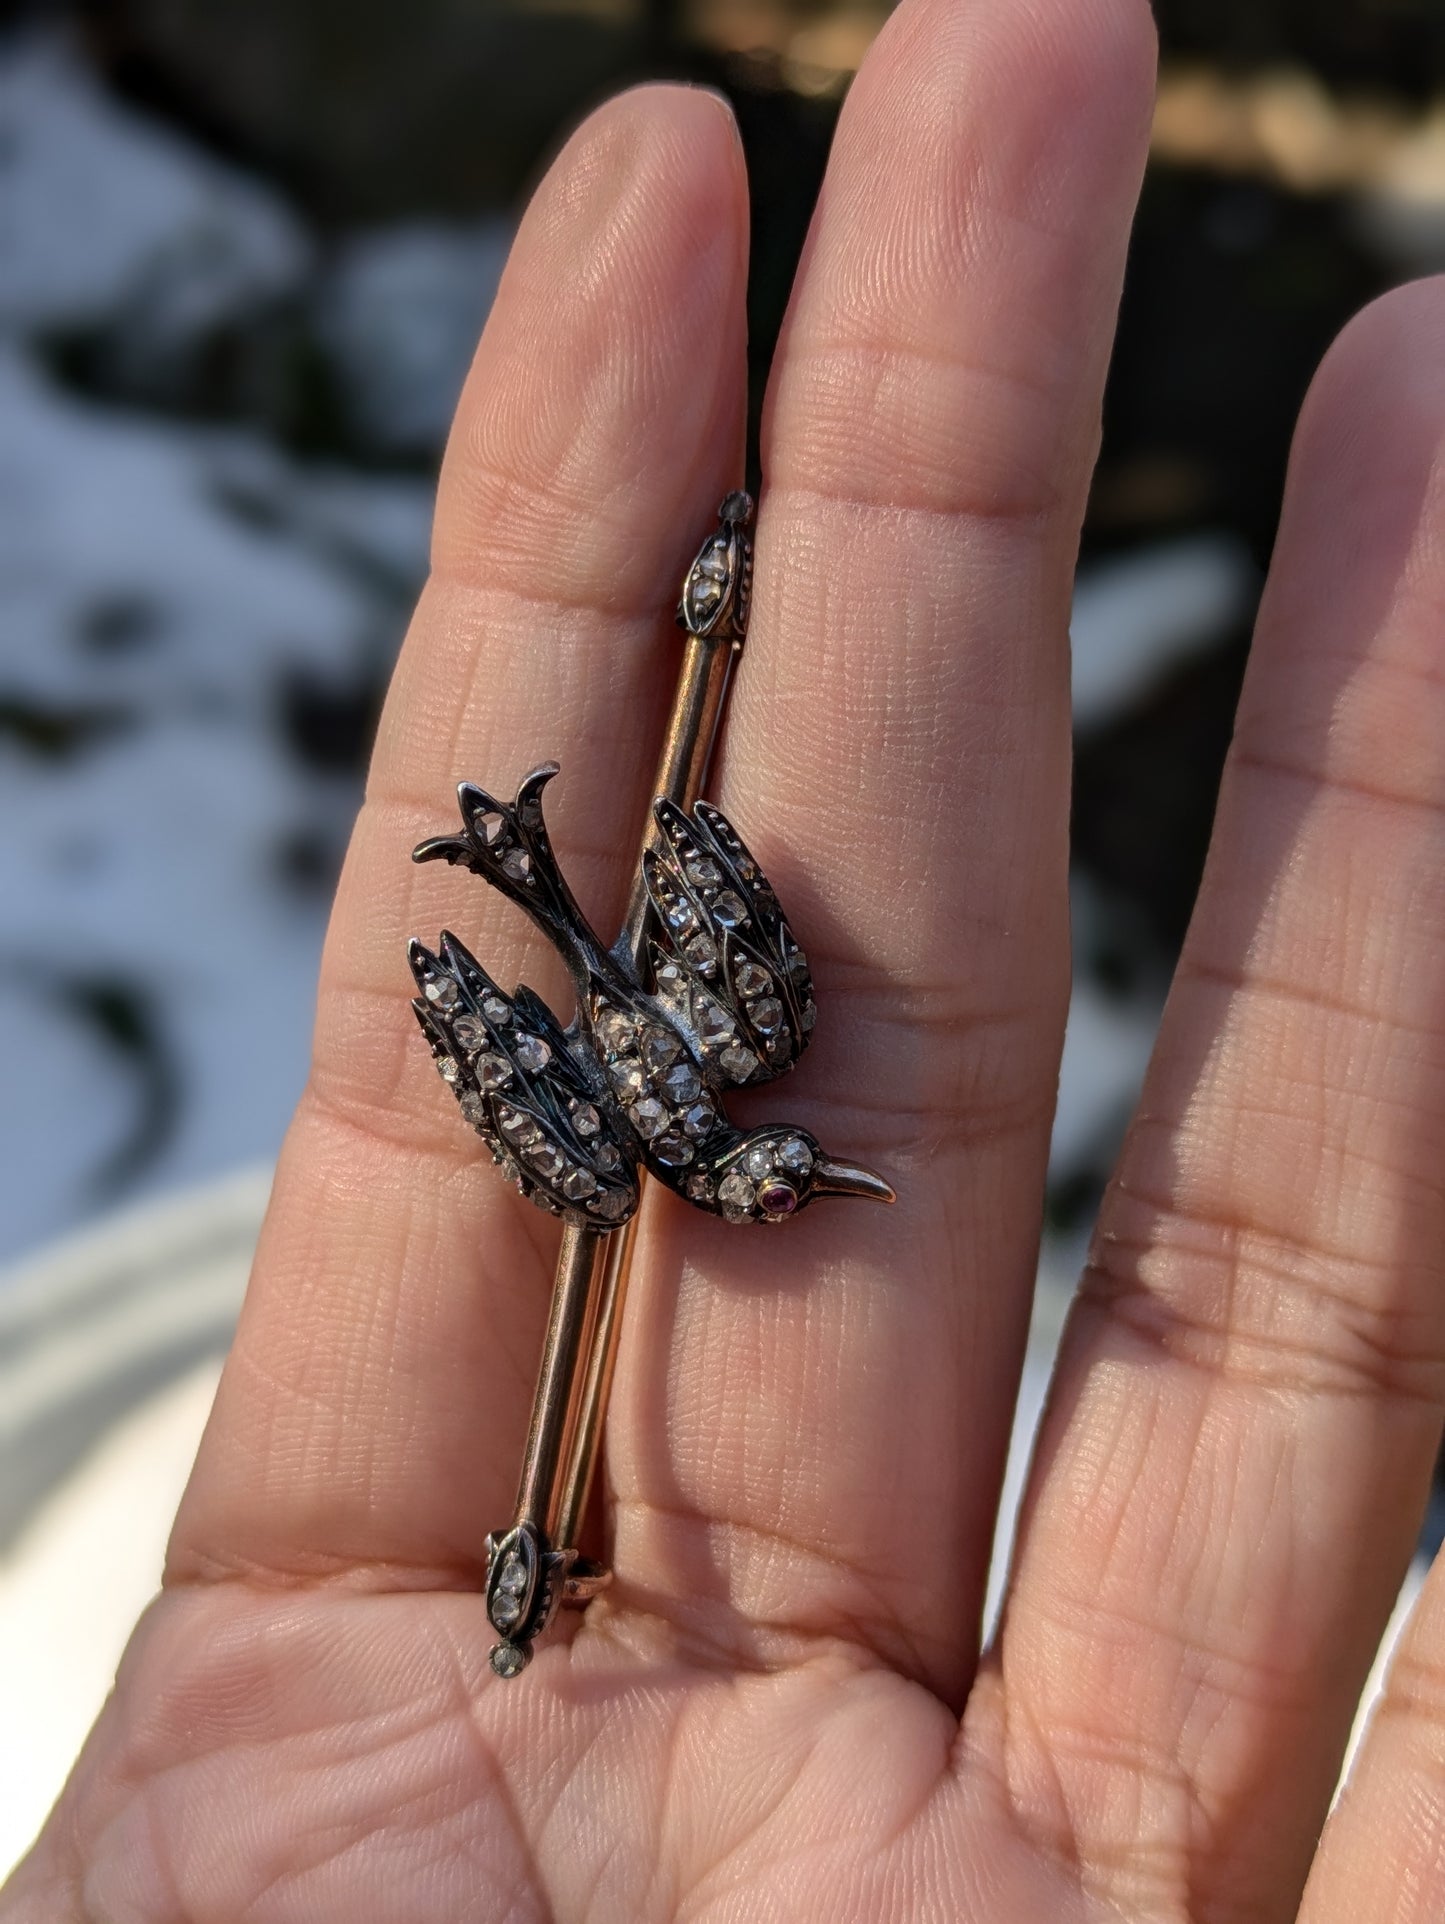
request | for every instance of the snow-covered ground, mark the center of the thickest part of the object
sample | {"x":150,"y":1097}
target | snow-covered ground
{"x":165,"y":588}
{"x":165,"y":585}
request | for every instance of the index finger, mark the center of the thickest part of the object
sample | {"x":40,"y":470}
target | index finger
{"x":373,"y":1407}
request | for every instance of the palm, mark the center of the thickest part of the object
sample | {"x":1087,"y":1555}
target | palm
{"x":781,"y":1710}
{"x":379,"y":1776}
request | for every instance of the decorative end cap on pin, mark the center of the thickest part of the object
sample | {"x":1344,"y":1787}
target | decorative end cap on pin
{"x":717,"y":587}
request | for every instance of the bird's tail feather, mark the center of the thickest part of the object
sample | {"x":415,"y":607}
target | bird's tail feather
{"x":507,"y":844}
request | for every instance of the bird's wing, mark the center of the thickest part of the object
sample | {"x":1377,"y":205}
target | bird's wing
{"x":527,"y":1093}
{"x":725,"y":955}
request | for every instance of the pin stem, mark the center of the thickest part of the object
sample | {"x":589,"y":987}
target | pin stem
{"x":590,"y":1288}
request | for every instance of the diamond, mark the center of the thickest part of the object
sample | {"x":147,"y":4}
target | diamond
{"x":649,"y":1118}
{"x":607,"y":1157}
{"x":777,"y":1198}
{"x":473,"y":1108}
{"x":704,"y":874}
{"x":518,"y":864}
{"x":585,"y":1119}
{"x":778,"y":1047}
{"x":729,"y":909}
{"x":516,"y":1125}
{"x":533,"y":1053}
{"x":699,"y":1187}
{"x":737,"y":1063}
{"x":698,"y":1119}
{"x":681,"y":1084}
{"x":798,"y":965}
{"x":497,"y":1010}
{"x":659,"y":1048}
{"x":547,"y":1159}
{"x":614,"y":1031}
{"x":489,"y":826}
{"x":505,"y":1610}
{"x":673,"y":1148}
{"x":508,"y":1659}
{"x":447,"y":1069}
{"x":752,"y":980}
{"x":714,"y":1024}
{"x":578,"y":1183}
{"x":531,"y":811}
{"x":513,"y":1575}
{"x":679,"y":914}
{"x":441,"y":991}
{"x":808,"y":1017}
{"x":735,"y":1191}
{"x":627,"y":1077}
{"x":670,"y":980}
{"x":759,"y":1159}
{"x":766,"y":1014}
{"x":795,"y":1155}
{"x":611,"y":1204}
{"x":701,"y":951}
{"x":493,"y":1071}
{"x":471,"y":1033}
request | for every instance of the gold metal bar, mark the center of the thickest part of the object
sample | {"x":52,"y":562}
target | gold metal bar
{"x":681,"y":771}
{"x":537,"y":1556}
{"x":559,"y":1379}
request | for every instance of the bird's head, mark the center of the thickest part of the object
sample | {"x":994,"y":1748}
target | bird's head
{"x":779,"y":1171}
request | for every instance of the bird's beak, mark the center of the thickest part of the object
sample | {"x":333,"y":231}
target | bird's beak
{"x":849,"y":1179}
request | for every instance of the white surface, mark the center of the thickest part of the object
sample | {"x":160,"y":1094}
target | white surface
{"x":110,"y":1346}
{"x":96,"y":1324}
{"x":72,"y":1589}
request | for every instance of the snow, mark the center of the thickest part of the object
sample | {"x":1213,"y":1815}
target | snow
{"x":1138,"y":617}
{"x":401,"y":314}
{"x":109,"y":218}
{"x":149,"y":857}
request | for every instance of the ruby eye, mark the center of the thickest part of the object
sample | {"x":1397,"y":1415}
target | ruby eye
{"x":777,"y":1198}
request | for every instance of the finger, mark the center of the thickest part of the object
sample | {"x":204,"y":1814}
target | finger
{"x":1248,"y":1402}
{"x":1382,"y":1857}
{"x":374,"y":1405}
{"x":820,"y":1457}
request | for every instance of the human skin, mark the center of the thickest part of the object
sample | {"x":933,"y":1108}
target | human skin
{"x":782,"y":1711}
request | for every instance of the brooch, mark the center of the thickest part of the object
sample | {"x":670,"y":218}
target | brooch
{"x":706,"y":990}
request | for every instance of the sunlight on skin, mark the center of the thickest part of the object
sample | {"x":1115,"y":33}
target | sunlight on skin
{"x":762,"y":1720}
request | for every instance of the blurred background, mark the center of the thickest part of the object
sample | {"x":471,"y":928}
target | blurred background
{"x":245,"y":250}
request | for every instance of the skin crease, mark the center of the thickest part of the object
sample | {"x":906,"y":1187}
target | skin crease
{"x":781,"y":1711}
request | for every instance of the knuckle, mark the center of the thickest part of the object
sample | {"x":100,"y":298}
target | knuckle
{"x":1273,"y":1311}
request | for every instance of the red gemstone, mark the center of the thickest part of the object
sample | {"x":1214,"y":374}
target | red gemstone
{"x":777,"y":1198}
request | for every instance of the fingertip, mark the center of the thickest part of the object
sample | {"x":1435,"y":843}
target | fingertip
{"x":610,"y":374}
{"x":1382,"y":378}
{"x":670,"y":151}
{"x":1367,"y":469}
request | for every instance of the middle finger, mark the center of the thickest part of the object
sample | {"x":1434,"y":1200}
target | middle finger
{"x":822,"y":1457}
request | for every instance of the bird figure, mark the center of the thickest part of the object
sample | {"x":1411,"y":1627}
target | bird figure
{"x":722,"y":999}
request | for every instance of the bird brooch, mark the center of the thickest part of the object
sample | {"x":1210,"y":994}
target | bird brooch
{"x":721,"y":999}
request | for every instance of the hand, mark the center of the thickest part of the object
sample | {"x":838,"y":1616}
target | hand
{"x":780,"y":1712}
